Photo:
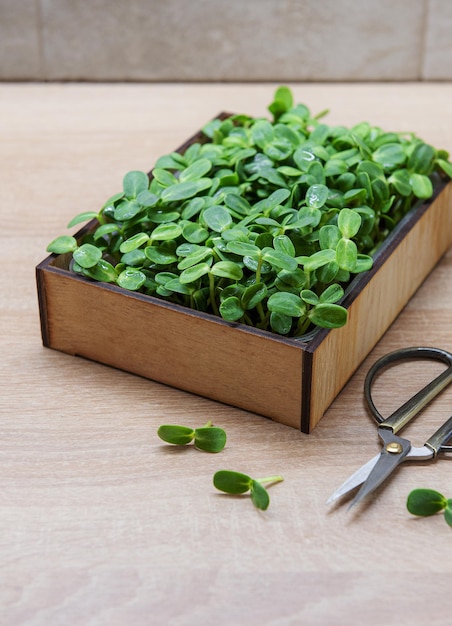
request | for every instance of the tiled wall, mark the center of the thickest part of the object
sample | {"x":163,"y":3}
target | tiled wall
{"x":226,"y":40}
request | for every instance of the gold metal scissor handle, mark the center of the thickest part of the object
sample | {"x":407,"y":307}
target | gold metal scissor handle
{"x":407,"y":411}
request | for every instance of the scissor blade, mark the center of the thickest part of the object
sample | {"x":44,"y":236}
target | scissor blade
{"x":354,"y":480}
{"x":385,"y":465}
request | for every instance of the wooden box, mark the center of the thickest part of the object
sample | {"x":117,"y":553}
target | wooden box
{"x":292,"y":381}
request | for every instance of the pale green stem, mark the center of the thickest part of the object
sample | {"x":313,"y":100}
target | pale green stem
{"x":213,"y":304}
{"x":259,"y":306}
{"x":303,"y":325}
{"x":269,"y":479}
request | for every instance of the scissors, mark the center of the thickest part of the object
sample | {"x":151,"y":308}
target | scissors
{"x":396,"y":450}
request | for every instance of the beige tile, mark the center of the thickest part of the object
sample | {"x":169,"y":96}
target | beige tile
{"x":438,"y":41}
{"x":233,"y":40}
{"x":20,"y":56}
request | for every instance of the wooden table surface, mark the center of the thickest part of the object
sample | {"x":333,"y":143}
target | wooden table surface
{"x":100,"y":522}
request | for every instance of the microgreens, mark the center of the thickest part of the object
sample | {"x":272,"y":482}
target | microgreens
{"x":426,"y":502}
{"x":236,"y":483}
{"x":261,"y":222}
{"x":208,"y":438}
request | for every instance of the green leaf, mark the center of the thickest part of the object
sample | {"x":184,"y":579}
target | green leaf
{"x":242,"y":248}
{"x":374,"y":170}
{"x":147,"y":199}
{"x":327,"y":273}
{"x":194,"y":232}
{"x":193,"y":207}
{"x":262,"y":133}
{"x":286,"y":304}
{"x":192,"y":274}
{"x":425,"y":502}
{"x":162,"y":278}
{"x":176,"y":286}
{"x":422,"y":186}
{"x":445,"y":166}
{"x":303,"y":158}
{"x":103,"y":272}
{"x":448,"y":512}
{"x":335,"y":167}
{"x":177,"y":435}
{"x":62,"y":245}
{"x":282,"y":243}
{"x":134,"y":182}
{"x":105,"y":229}
{"x":320,"y":134}
{"x":316,"y":196}
{"x":354,"y":197}
{"x":390,"y":156}
{"x":287,"y":170}
{"x":380,"y":191}
{"x":329,"y":237}
{"x":210,"y":438}
{"x":308,"y":216}
{"x":272,"y":176}
{"x":363,"y":180}
{"x":309,"y":297}
{"x":271,"y":202}
{"x":346,"y":254}
{"x":232,"y":482}
{"x":196,"y":170}
{"x":280,"y":323}
{"x":217,"y":218}
{"x":259,"y":496}
{"x":279,"y":259}
{"x":348,"y":222}
{"x":173,"y":161}
{"x":231,"y":291}
{"x":267,"y":221}
{"x":237,"y":203}
{"x":186,"y":190}
{"x":162,"y":216}
{"x":196,"y":256}
{"x":134,"y":242}
{"x":82,"y":217}
{"x":364,"y":263}
{"x":421,"y":159}
{"x":87,"y":255}
{"x":328,"y":315}
{"x":135,"y":258}
{"x":227,"y":269}
{"x":253,"y":294}
{"x":160,"y":255}
{"x":333,"y":293}
{"x":184,"y":249}
{"x":163,"y":177}
{"x":286,"y":280}
{"x":111,"y":202}
{"x":316,"y":260}
{"x":166,"y":232}
{"x":231,"y":309}
{"x":401,"y":181}
{"x":127,"y":210}
{"x":346,"y":182}
{"x":131,"y":279}
{"x":239,"y":233}
{"x":282,"y":102}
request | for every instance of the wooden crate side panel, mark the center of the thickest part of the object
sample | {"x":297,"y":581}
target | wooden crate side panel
{"x":180,"y":349}
{"x":379,"y":303}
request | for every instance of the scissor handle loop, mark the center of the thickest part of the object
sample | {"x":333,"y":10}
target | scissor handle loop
{"x":407,"y":411}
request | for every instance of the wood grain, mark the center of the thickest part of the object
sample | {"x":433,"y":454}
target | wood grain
{"x":100,"y":523}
